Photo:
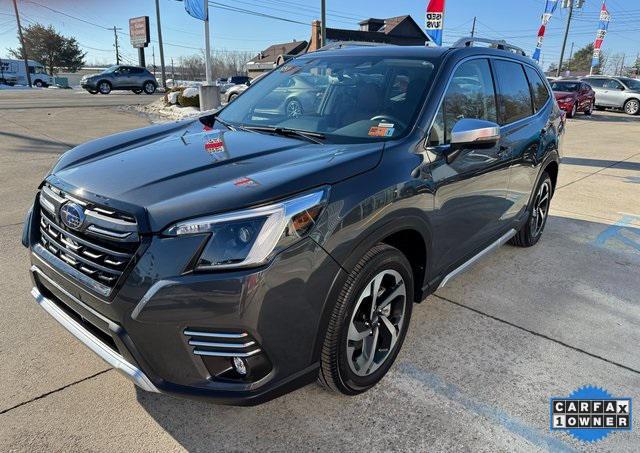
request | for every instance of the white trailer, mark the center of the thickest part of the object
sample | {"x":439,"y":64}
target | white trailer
{"x":13,"y":72}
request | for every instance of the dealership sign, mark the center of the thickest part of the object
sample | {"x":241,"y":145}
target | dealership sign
{"x":139,"y":31}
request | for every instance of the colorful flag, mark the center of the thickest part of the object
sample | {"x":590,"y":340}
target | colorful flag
{"x":196,"y":8}
{"x":603,"y":26}
{"x":434,"y":21}
{"x":549,"y":9}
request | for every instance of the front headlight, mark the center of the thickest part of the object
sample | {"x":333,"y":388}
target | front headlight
{"x":250,"y":237}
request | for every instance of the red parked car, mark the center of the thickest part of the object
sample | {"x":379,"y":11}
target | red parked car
{"x":574,"y":96}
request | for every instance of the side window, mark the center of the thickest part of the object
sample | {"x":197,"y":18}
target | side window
{"x":514,"y":97}
{"x":137,"y":70}
{"x":597,"y":83}
{"x":612,"y":85}
{"x":470,"y":95}
{"x":538,"y":87}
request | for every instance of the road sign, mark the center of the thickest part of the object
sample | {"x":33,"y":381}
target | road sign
{"x":139,"y":31}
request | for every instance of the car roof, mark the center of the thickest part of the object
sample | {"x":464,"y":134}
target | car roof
{"x":417,"y":52}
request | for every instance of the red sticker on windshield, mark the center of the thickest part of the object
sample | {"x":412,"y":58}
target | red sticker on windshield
{"x":380,"y":131}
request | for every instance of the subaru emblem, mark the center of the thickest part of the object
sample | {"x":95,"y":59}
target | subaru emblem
{"x":72,"y":215}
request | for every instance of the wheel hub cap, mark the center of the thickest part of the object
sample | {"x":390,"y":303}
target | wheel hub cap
{"x":540,"y":209}
{"x":376,"y":322}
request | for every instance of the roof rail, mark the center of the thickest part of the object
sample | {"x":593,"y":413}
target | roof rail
{"x":495,"y":43}
{"x":345,"y":44}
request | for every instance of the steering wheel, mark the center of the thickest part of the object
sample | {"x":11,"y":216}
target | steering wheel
{"x":391,"y":119}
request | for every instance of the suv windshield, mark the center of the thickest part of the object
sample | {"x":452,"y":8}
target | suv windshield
{"x":632,"y":84}
{"x":565,"y":86}
{"x":347,"y":99}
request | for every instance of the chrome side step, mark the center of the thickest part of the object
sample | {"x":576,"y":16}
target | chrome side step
{"x":466,"y":265}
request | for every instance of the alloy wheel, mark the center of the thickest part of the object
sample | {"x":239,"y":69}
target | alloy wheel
{"x":294,"y":109}
{"x":104,"y":88}
{"x":376,"y":322}
{"x":632,"y":106}
{"x":540,"y":209}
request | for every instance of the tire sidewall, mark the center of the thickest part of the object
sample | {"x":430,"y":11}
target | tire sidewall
{"x":637,"y":109}
{"x":106,"y":91}
{"x":545,"y":179}
{"x":389,"y":259}
{"x":144,"y":88}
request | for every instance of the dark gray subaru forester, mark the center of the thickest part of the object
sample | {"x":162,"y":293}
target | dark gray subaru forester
{"x":285,"y":238}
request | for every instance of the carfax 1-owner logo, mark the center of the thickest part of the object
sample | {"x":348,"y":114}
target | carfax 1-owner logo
{"x":590,"y":414}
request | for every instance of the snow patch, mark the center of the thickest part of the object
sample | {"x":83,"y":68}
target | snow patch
{"x":190,"y":92}
{"x":172,"y":97}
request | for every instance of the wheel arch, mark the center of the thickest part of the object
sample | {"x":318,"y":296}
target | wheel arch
{"x":408,"y":233}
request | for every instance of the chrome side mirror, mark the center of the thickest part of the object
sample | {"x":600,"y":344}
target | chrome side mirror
{"x":472,"y":133}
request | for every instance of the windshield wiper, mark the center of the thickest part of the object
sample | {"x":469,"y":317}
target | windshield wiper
{"x":230,"y":126}
{"x":314,"y":137}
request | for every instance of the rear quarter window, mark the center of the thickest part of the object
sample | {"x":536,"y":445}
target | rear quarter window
{"x":538,"y":88}
{"x":514,"y":96}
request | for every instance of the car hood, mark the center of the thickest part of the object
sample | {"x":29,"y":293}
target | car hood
{"x":181,"y":170}
{"x":564,"y":94}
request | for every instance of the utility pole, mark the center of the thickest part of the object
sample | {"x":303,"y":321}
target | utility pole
{"x":323,"y":22}
{"x":473,"y":27}
{"x":24,"y":48}
{"x":571,"y":51}
{"x":153,"y":57}
{"x":164,"y":78}
{"x":115,"y":34}
{"x":566,"y":35}
{"x":173,"y":72}
{"x":624,"y":55}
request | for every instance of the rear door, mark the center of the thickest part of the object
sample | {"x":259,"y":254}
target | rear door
{"x":470,"y":191}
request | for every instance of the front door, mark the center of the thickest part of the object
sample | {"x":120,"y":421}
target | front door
{"x":470,"y":190}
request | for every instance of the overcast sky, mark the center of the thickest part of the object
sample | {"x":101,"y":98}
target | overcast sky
{"x":516,"y":20}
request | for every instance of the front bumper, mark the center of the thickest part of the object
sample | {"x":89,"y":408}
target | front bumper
{"x":145,"y":329}
{"x":91,"y":341}
{"x":88,"y":85}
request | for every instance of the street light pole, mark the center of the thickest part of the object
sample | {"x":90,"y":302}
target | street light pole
{"x":162,"y":70}
{"x":207,"y":45}
{"x":566,"y":35}
{"x":323,"y":22}
{"x":115,"y":34}
{"x":24,"y":48}
{"x":473,"y":27}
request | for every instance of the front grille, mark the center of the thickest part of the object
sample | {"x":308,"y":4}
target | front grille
{"x":100,"y":248}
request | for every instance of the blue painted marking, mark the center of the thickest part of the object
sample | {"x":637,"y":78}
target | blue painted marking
{"x":625,"y":224}
{"x":511,"y":424}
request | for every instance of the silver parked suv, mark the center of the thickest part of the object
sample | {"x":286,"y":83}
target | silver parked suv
{"x":616,"y":92}
{"x":134,"y":78}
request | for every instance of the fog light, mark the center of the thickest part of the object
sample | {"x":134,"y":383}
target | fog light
{"x":240,"y":366}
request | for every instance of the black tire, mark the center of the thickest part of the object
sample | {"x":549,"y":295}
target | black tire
{"x":600,"y":108}
{"x":39,"y":83}
{"x":589,"y":110}
{"x":632,"y":106}
{"x":93,"y":91}
{"x":530,"y":232}
{"x":149,"y":87}
{"x":137,"y":91}
{"x":336,"y":372}
{"x":231,"y":97}
{"x":573,"y":111}
{"x":104,"y":87}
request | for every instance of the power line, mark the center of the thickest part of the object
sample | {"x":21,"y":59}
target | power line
{"x":70,"y":16}
{"x":254,"y":13}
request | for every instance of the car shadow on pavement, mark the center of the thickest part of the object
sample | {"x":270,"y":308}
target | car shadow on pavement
{"x":486,"y":351}
{"x":601,"y":163}
{"x":32,"y":144}
{"x":608,"y":117}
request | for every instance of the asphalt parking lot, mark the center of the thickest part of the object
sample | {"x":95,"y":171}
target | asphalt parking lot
{"x":481,"y":360}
